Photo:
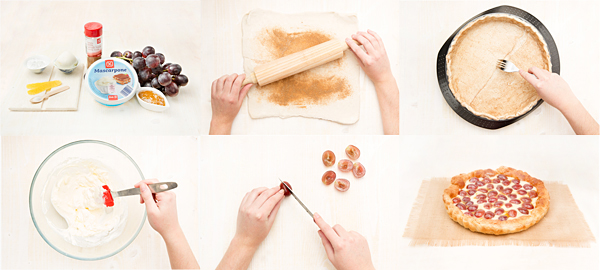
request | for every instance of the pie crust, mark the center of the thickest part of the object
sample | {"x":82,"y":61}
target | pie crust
{"x":495,"y":226}
{"x":471,"y":60}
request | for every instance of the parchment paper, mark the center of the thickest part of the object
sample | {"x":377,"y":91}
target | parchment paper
{"x":563,"y":225}
{"x":340,"y":26}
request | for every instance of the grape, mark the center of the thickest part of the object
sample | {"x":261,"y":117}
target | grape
{"x":157,"y":71}
{"x":181,"y":80}
{"x":148,"y":51}
{"x":161,"y":89}
{"x":164,"y":67}
{"x":147,"y":84}
{"x":164,"y":79}
{"x":137,"y":54}
{"x":162,"y":57}
{"x":139,"y":63}
{"x":155,"y":83}
{"x":145,"y":75}
{"x":174,"y":69}
{"x":171,"y":89}
{"x":152,"y":61}
{"x":116,"y":54}
{"x":128,"y":54}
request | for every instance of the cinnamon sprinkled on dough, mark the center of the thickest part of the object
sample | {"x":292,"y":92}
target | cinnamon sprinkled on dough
{"x":305,"y":88}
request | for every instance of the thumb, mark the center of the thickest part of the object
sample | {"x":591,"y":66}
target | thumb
{"x":148,"y":199}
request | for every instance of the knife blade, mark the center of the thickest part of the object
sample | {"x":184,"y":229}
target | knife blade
{"x":297,"y":199}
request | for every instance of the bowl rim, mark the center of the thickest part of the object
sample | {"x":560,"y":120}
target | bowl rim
{"x":155,"y":108}
{"x":40,"y":56}
{"x":34,"y":180}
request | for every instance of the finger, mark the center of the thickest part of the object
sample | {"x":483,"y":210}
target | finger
{"x":164,"y":197}
{"x":340,"y":231}
{"x":221,"y":83}
{"x":228,"y":86}
{"x":237,"y":85}
{"x":542,"y":74}
{"x":147,"y":182}
{"x":254,"y":194}
{"x":244,"y":92}
{"x":148,"y":199}
{"x":360,"y":54}
{"x":528,"y":77}
{"x":327,"y":245}
{"x":371,"y":39}
{"x":213,"y":88}
{"x":271,"y":202}
{"x":264,"y":196}
{"x":379,"y":40}
{"x":365,"y":42}
{"x":273,"y":213}
{"x":331,"y":235}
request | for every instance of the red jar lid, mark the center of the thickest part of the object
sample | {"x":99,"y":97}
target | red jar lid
{"x":93,"y":29}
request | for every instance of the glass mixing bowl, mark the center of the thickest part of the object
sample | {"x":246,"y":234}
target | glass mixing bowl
{"x":45,"y":218}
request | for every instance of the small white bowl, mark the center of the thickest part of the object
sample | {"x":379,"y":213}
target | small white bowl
{"x":150,"y":106}
{"x":67,"y":70}
{"x":46,"y":61}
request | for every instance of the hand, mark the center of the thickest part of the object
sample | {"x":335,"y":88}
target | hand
{"x":346,"y":250}
{"x":255,"y":218}
{"x":551,"y":87}
{"x":227,"y":95}
{"x":373,"y":59}
{"x":256,"y":215}
{"x":161,"y":208}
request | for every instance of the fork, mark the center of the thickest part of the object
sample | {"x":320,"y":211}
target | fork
{"x":506,"y":66}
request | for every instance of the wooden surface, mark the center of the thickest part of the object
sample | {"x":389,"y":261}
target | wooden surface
{"x":569,"y":160}
{"x":231,"y":167}
{"x":24,"y":248}
{"x":222,"y":54}
{"x":428,"y":24}
{"x":50,"y":28}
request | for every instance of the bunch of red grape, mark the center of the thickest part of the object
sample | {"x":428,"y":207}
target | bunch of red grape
{"x":153,"y":72}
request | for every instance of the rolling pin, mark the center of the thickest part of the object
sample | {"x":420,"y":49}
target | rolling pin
{"x":297,"y":62}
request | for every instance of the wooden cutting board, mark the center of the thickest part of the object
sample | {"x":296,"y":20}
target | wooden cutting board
{"x":65,"y":101}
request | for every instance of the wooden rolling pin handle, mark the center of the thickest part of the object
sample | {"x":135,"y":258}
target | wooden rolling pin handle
{"x":250,"y":78}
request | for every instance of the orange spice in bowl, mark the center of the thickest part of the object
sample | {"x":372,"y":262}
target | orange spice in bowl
{"x":152,"y":98}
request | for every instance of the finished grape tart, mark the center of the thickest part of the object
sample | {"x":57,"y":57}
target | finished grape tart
{"x":496,"y":202}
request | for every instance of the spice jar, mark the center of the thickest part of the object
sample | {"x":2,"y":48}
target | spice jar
{"x":93,"y":41}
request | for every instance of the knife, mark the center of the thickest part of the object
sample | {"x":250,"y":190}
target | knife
{"x":155,"y":188}
{"x":296,"y":197}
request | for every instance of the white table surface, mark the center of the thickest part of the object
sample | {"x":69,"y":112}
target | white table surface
{"x":428,"y":24}
{"x":50,"y":28}
{"x":164,"y":158}
{"x":567,"y":159}
{"x":222,"y":54}
{"x":231,"y":167}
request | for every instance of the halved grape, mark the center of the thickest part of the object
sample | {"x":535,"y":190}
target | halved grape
{"x":352,"y":152}
{"x":341,"y":184}
{"x":328,"y":177}
{"x":358,"y":170}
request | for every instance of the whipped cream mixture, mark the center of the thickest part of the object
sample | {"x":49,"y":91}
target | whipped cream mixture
{"x":77,"y":197}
